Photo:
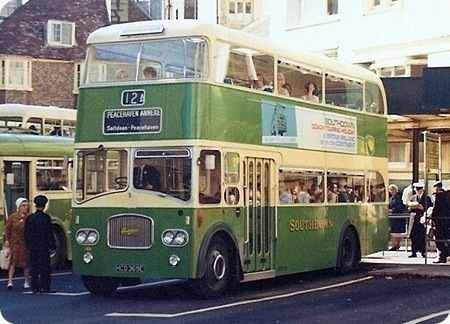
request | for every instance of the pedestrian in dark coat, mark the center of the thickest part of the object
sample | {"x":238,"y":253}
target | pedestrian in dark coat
{"x":441,"y":220}
{"x":419,"y":204}
{"x":39,"y":240}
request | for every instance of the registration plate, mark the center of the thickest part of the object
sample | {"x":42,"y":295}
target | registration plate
{"x":136,"y":268}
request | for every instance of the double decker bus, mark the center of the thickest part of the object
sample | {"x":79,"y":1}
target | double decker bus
{"x":200,"y":172}
{"x":33,"y":163}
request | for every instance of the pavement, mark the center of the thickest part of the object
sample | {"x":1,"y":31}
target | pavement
{"x":398,"y":263}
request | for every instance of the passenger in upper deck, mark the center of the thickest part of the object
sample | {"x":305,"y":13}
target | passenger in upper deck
{"x":281,"y":81}
{"x":260,"y":83}
{"x":121,"y":74}
{"x":310,"y":95}
{"x":150,"y":73}
{"x":288,"y":88}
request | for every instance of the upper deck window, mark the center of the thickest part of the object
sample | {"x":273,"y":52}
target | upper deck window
{"x":374,"y":99}
{"x":171,"y":58}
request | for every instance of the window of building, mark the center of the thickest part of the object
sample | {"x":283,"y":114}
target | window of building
{"x":293,"y":13}
{"x":382,"y":4}
{"x":77,"y":73}
{"x":190,"y":9}
{"x":240,"y":7}
{"x":421,"y":152}
{"x":60,"y":33}
{"x":232,"y":8}
{"x":310,"y":12}
{"x":394,"y":71}
{"x":332,"y":7}
{"x":15,"y":74}
{"x":240,"y":12}
{"x":248,"y":7}
{"x":397,"y":152}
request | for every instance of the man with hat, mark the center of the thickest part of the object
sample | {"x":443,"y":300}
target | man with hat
{"x":441,"y":220}
{"x":38,"y":233}
{"x":418,"y":205}
{"x":438,"y":186}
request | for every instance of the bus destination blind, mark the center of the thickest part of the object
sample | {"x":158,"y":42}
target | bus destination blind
{"x":132,"y":121}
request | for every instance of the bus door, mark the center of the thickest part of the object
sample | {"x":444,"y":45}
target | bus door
{"x":259,"y":217}
{"x":16,"y":183}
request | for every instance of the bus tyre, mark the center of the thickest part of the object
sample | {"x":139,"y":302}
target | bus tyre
{"x":349,"y":255}
{"x":218,"y":271}
{"x":102,"y":286}
{"x":58,"y":257}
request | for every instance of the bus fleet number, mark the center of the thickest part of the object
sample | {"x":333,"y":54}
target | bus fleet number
{"x":133,"y":98}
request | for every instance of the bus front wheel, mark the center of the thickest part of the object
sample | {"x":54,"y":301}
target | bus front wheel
{"x":217,"y":277}
{"x":102,"y":286}
{"x":349,"y":254}
{"x":58,"y":257}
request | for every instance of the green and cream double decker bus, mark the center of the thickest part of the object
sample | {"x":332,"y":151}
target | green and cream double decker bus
{"x":201,"y":156}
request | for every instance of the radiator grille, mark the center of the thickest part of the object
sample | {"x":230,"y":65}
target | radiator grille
{"x":130,"y":231}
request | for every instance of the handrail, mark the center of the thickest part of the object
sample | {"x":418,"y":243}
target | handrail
{"x":405,"y":235}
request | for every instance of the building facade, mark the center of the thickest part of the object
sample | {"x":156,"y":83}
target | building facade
{"x":42,"y":50}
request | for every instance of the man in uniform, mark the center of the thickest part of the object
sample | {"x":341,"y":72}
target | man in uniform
{"x":441,"y":220}
{"x":39,"y":239}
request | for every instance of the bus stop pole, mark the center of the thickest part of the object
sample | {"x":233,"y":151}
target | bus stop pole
{"x":415,"y":165}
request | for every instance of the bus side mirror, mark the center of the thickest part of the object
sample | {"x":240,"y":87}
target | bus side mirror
{"x":10,"y":179}
{"x":210,"y":162}
{"x":66,"y":162}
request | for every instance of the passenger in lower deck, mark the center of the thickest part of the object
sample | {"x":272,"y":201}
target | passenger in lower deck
{"x":332,"y":196}
{"x":316,"y":194}
{"x":347,"y":195}
{"x":286,"y":197}
{"x":303,"y":195}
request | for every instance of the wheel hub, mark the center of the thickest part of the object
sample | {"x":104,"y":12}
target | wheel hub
{"x":218,"y":265}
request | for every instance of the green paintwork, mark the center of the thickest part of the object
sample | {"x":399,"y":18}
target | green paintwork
{"x":156,"y":259}
{"x":313,"y":230}
{"x":35,"y":145}
{"x":205,"y":111}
